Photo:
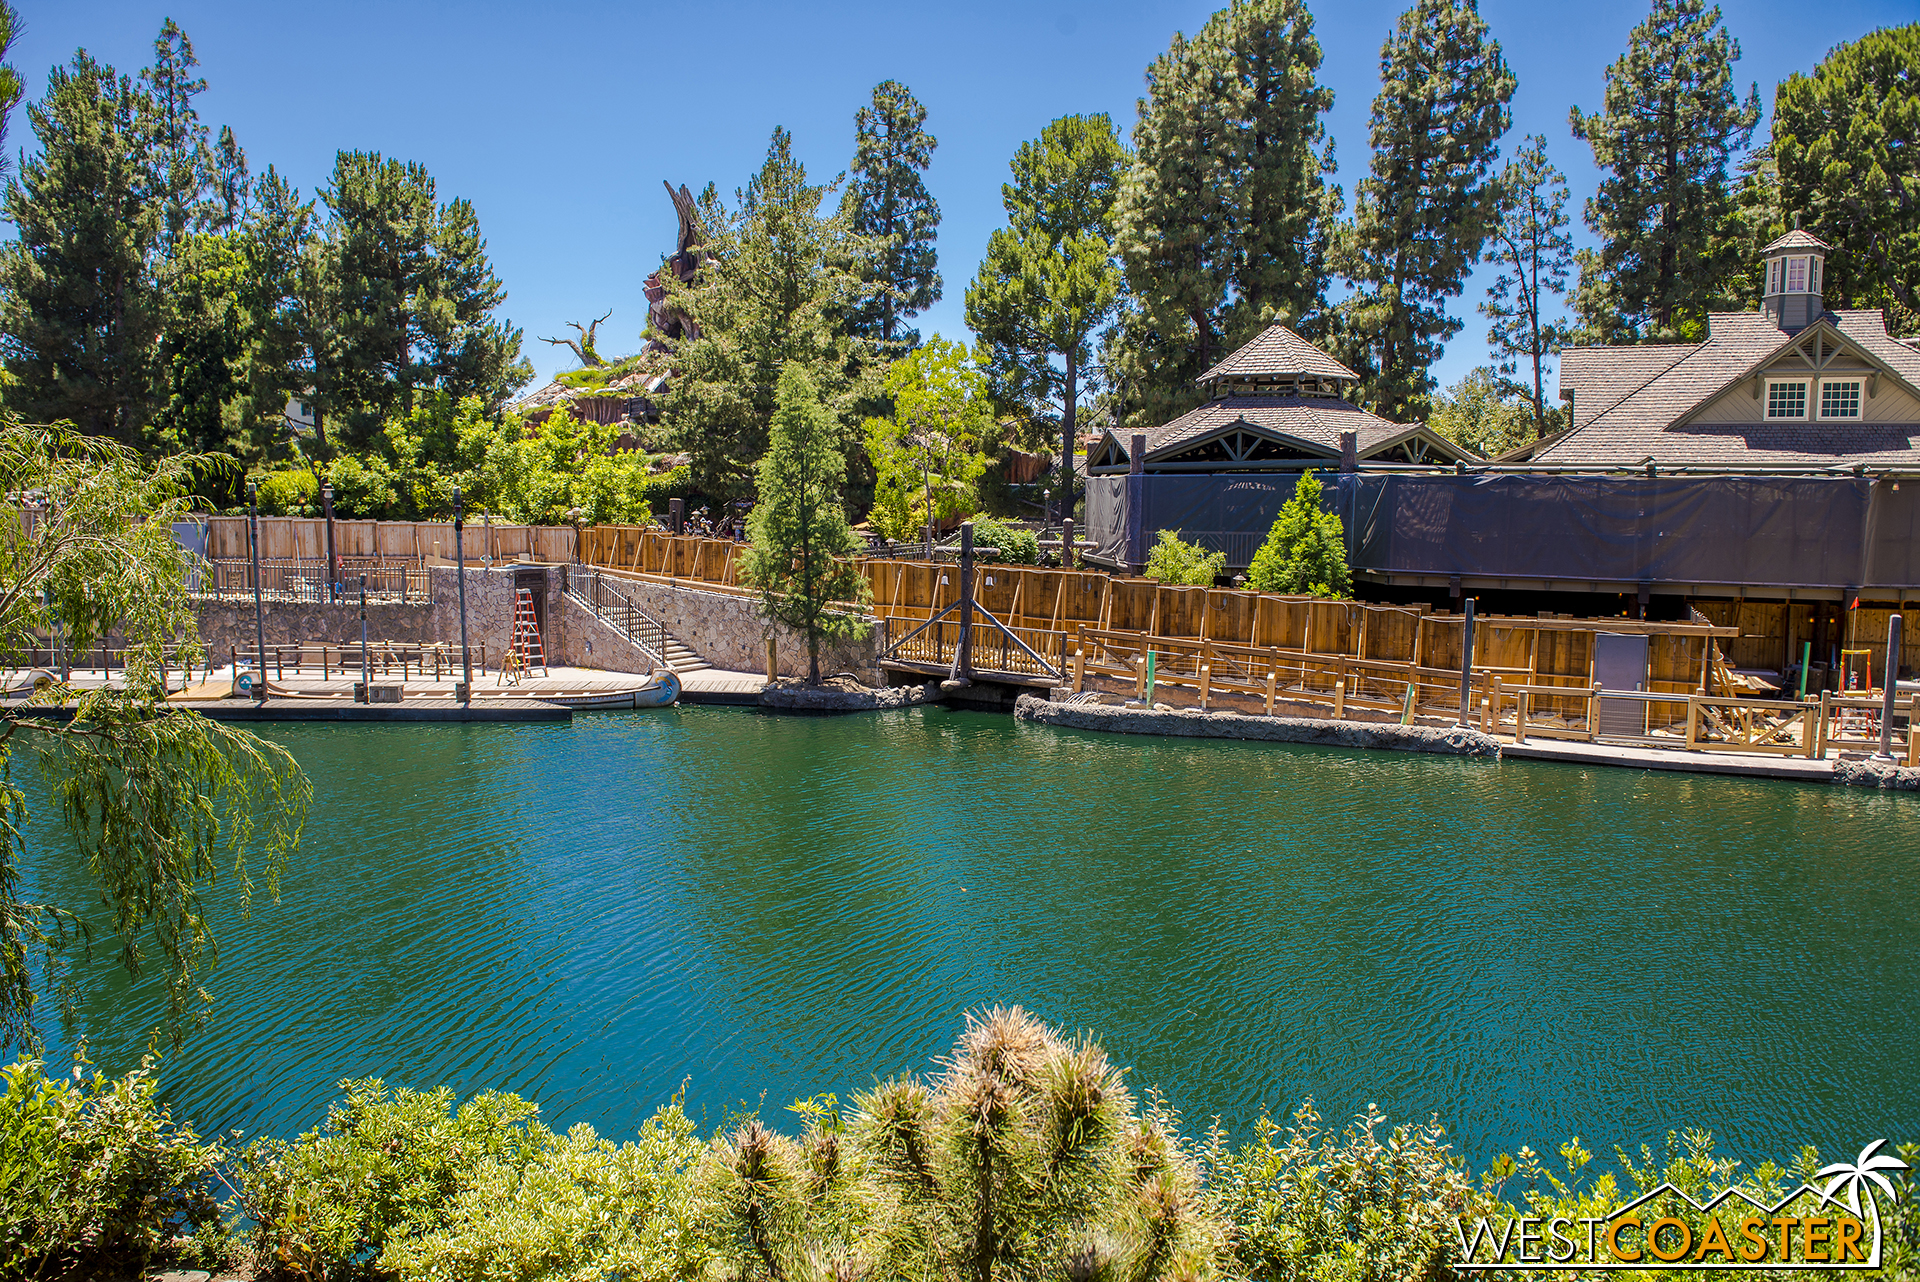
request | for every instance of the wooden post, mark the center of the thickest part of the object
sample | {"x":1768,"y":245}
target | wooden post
{"x":1693,"y":723}
{"x":773,"y":660}
{"x":1809,"y":732}
{"x":1826,"y":710}
{"x":1140,"y":677}
{"x":1491,"y":721}
{"x":1466,"y":664}
{"x":1891,"y":678}
{"x":1913,"y":731}
{"x":1079,"y":658}
{"x":1206,"y":684}
{"x":1340,"y":699}
{"x":1271,"y":676}
{"x":1520,"y":716}
{"x":1406,"y":708}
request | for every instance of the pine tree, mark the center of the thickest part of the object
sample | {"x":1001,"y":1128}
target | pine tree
{"x":1423,"y":212}
{"x":1531,"y":248}
{"x":1226,"y":212}
{"x":80,"y":312}
{"x":803,"y":545}
{"x":1305,"y":553}
{"x":1846,"y":147}
{"x":11,"y":87}
{"x":768,"y":295}
{"x":181,"y":159}
{"x":887,"y":202}
{"x":1670,"y":127}
{"x":1049,"y":280}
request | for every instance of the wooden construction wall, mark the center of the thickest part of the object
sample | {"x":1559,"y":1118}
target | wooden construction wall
{"x":1549,"y":651}
{"x":427,"y":542}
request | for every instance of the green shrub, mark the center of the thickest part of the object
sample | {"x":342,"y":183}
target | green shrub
{"x":1342,"y":1208}
{"x":1017,"y":546}
{"x":579,"y":1208}
{"x":1305,"y":553}
{"x":96,"y":1178}
{"x":381,"y":1170}
{"x":289,"y":493}
{"x":1173,"y":561}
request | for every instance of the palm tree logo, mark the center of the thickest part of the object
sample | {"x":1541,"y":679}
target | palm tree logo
{"x":1868,"y":1169}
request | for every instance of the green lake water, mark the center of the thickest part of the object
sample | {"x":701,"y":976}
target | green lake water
{"x":767,"y":907}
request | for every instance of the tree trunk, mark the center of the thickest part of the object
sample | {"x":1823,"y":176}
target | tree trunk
{"x":1067,"y":435}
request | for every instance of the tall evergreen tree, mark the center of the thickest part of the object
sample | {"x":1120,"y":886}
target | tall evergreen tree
{"x":11,"y":87}
{"x":415,"y":298}
{"x":1534,"y":254}
{"x":887,"y":202}
{"x":1423,"y":212}
{"x":801,"y":557}
{"x":80,"y":312}
{"x":1226,"y":212}
{"x":1050,"y":280}
{"x":1670,"y":127}
{"x":180,"y":156}
{"x":773,"y":283}
{"x":1846,"y":149}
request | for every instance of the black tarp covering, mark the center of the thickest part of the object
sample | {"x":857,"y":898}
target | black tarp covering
{"x":1785,"y":532}
{"x":1814,"y":532}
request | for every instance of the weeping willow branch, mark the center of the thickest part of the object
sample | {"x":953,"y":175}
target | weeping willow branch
{"x":156,"y":801}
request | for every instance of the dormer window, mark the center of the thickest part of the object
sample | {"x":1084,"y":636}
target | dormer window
{"x":1839,"y":398}
{"x":1787,"y":398}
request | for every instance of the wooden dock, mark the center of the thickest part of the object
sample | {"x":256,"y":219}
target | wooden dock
{"x":411,"y":710}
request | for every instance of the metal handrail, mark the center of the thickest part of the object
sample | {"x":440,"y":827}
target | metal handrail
{"x":615,"y":609}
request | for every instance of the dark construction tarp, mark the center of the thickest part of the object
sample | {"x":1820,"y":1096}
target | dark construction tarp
{"x":1790,"y":532}
{"x":1825,"y":532}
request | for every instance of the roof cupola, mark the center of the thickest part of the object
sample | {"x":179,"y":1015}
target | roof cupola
{"x":1796,"y":264}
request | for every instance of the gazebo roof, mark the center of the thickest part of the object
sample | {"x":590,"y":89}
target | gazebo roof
{"x":1278,"y":353}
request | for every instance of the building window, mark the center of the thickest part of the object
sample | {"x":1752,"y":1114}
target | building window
{"x":1773,"y":275}
{"x":1813,"y":275}
{"x":1796,"y":275}
{"x":1839,"y":400}
{"x":1787,"y":400}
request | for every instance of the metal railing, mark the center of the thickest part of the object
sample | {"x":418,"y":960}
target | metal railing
{"x":303,"y":581}
{"x":615,"y":609}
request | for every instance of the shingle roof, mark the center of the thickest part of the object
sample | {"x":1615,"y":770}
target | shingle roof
{"x":1797,"y":239}
{"x":1646,"y":423}
{"x":1278,"y":352}
{"x":1608,"y":375}
{"x":1314,"y":420}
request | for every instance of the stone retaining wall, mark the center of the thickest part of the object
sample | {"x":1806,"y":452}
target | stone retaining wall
{"x":1192,"y":723}
{"x":727,"y":631}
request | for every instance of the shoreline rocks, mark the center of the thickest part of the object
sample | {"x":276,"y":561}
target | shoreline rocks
{"x":828,"y":699}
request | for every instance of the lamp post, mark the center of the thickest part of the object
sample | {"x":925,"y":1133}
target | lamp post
{"x":259,"y":610}
{"x":460,"y":568}
{"x":333,"y":561}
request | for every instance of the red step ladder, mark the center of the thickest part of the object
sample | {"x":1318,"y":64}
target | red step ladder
{"x":526,"y":634}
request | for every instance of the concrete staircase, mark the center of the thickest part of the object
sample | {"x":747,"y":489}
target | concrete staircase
{"x":681,"y":658}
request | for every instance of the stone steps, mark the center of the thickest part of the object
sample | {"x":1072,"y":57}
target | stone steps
{"x":681,"y":657}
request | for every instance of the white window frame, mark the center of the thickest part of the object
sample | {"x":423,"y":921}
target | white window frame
{"x":1806,"y":381}
{"x":1858,"y":382}
{"x":1813,"y":273}
{"x":1775,"y":274}
{"x":1801,"y":288}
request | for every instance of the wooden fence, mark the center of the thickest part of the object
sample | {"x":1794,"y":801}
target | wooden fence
{"x":420,"y":542}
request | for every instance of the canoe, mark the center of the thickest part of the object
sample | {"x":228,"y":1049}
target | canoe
{"x":657,"y":693}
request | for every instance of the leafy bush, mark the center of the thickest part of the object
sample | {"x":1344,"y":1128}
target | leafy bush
{"x":95,"y":1176}
{"x":382,"y":1169}
{"x":1173,"y":561}
{"x":1305,"y":553}
{"x":578,"y":1208}
{"x":1342,"y":1207}
{"x":289,"y":493}
{"x":1017,"y":546}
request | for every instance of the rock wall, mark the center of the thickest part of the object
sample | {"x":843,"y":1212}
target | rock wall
{"x":727,"y":631}
{"x":1192,"y":723}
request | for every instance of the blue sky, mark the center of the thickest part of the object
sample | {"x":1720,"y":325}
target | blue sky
{"x":559,"y":122}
